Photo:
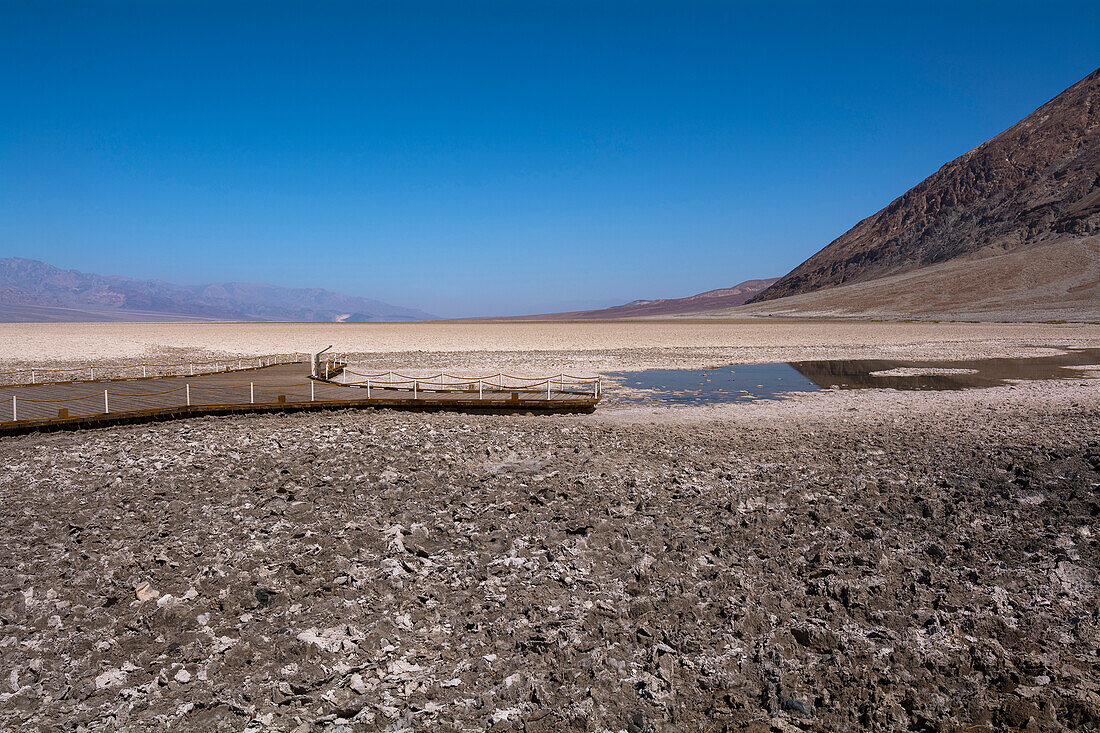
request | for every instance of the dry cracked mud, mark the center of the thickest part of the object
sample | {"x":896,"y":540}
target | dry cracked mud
{"x":858,"y":560}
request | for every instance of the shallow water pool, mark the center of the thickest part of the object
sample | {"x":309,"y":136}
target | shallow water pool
{"x":737,"y":383}
{"x":746,"y":382}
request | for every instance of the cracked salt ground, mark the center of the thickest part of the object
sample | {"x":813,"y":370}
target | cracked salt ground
{"x":816,"y":565}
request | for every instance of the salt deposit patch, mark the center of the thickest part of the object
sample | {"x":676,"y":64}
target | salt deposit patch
{"x":920,"y":372}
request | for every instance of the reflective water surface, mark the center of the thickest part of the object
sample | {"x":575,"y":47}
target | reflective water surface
{"x":706,"y":386}
{"x":772,"y":381}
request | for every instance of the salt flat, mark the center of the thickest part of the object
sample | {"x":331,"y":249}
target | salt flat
{"x":602,"y":345}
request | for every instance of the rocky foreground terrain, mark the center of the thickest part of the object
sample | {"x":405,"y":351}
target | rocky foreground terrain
{"x":840,"y":561}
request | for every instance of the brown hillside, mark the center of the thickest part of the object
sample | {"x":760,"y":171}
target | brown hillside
{"x":710,"y":300}
{"x":1055,"y":281}
{"x":1035,"y":184}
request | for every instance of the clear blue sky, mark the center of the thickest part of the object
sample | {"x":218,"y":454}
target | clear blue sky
{"x":473,"y":158}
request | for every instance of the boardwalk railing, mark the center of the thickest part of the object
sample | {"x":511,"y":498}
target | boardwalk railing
{"x":561,"y":383}
{"x":106,"y":402}
{"x":568,"y":388}
{"x":99,"y":372}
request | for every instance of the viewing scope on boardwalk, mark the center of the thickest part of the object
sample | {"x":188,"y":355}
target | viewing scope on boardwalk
{"x":315,"y":362}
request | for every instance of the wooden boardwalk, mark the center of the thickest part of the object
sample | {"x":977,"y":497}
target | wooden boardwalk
{"x":284,"y":387}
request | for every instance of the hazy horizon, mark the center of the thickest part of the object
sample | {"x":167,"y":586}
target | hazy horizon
{"x":494,"y":159}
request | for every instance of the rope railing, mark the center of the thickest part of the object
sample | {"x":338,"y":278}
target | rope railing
{"x":562,"y":383}
{"x":97,"y":372}
{"x":443,"y":381}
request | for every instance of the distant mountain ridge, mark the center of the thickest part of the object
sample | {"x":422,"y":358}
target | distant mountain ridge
{"x":708,"y":301}
{"x":1035,"y":186}
{"x":31,"y":290}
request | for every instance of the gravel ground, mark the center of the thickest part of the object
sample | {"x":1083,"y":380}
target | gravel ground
{"x":838,"y":561}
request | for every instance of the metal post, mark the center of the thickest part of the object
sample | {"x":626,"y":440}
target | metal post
{"x":276,"y":360}
{"x":91,"y":373}
{"x":561,"y":386}
{"x":188,"y":394}
{"x":311,"y":384}
{"x":14,"y":410}
{"x":368,"y":388}
{"x":479,"y":390}
{"x":240,"y":363}
{"x":548,"y":389}
{"x":106,"y":404}
{"x":143,"y":372}
{"x":414,"y":389}
{"x":32,"y":376}
{"x":326,"y":370}
{"x":192,"y":369}
{"x":251,"y":393}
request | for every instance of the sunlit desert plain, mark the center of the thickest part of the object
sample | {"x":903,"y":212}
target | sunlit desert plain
{"x":834,"y":560}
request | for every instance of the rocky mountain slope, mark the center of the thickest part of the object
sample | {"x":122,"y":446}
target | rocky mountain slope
{"x":710,"y":300}
{"x":1036,"y":184}
{"x":32,"y":291}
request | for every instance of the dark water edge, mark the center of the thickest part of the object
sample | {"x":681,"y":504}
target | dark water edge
{"x":747,"y":382}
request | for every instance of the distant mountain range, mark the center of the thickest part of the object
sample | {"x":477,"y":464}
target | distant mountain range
{"x":708,"y":301}
{"x":1010,"y":227}
{"x":33,"y":291}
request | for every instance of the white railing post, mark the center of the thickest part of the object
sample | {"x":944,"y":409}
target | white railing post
{"x":14,"y":409}
{"x":251,"y":393}
{"x":561,"y":385}
{"x":32,"y":376}
{"x":91,"y":373}
{"x":479,"y":389}
{"x":368,"y":388}
{"x":414,"y":389}
{"x":240,"y":364}
{"x":326,"y":370}
{"x":311,"y":385}
{"x":276,"y":359}
{"x":192,"y":369}
{"x":144,"y":373}
{"x":106,"y":404}
{"x":188,"y":386}
{"x":548,"y":382}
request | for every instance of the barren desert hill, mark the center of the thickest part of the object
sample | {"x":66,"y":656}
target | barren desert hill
{"x":1034,"y":186}
{"x":707,"y":301}
{"x":33,"y":291}
{"x":1056,"y":281}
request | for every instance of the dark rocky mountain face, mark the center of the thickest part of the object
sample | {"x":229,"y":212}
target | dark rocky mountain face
{"x":32,"y":286}
{"x":1036,"y":183}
